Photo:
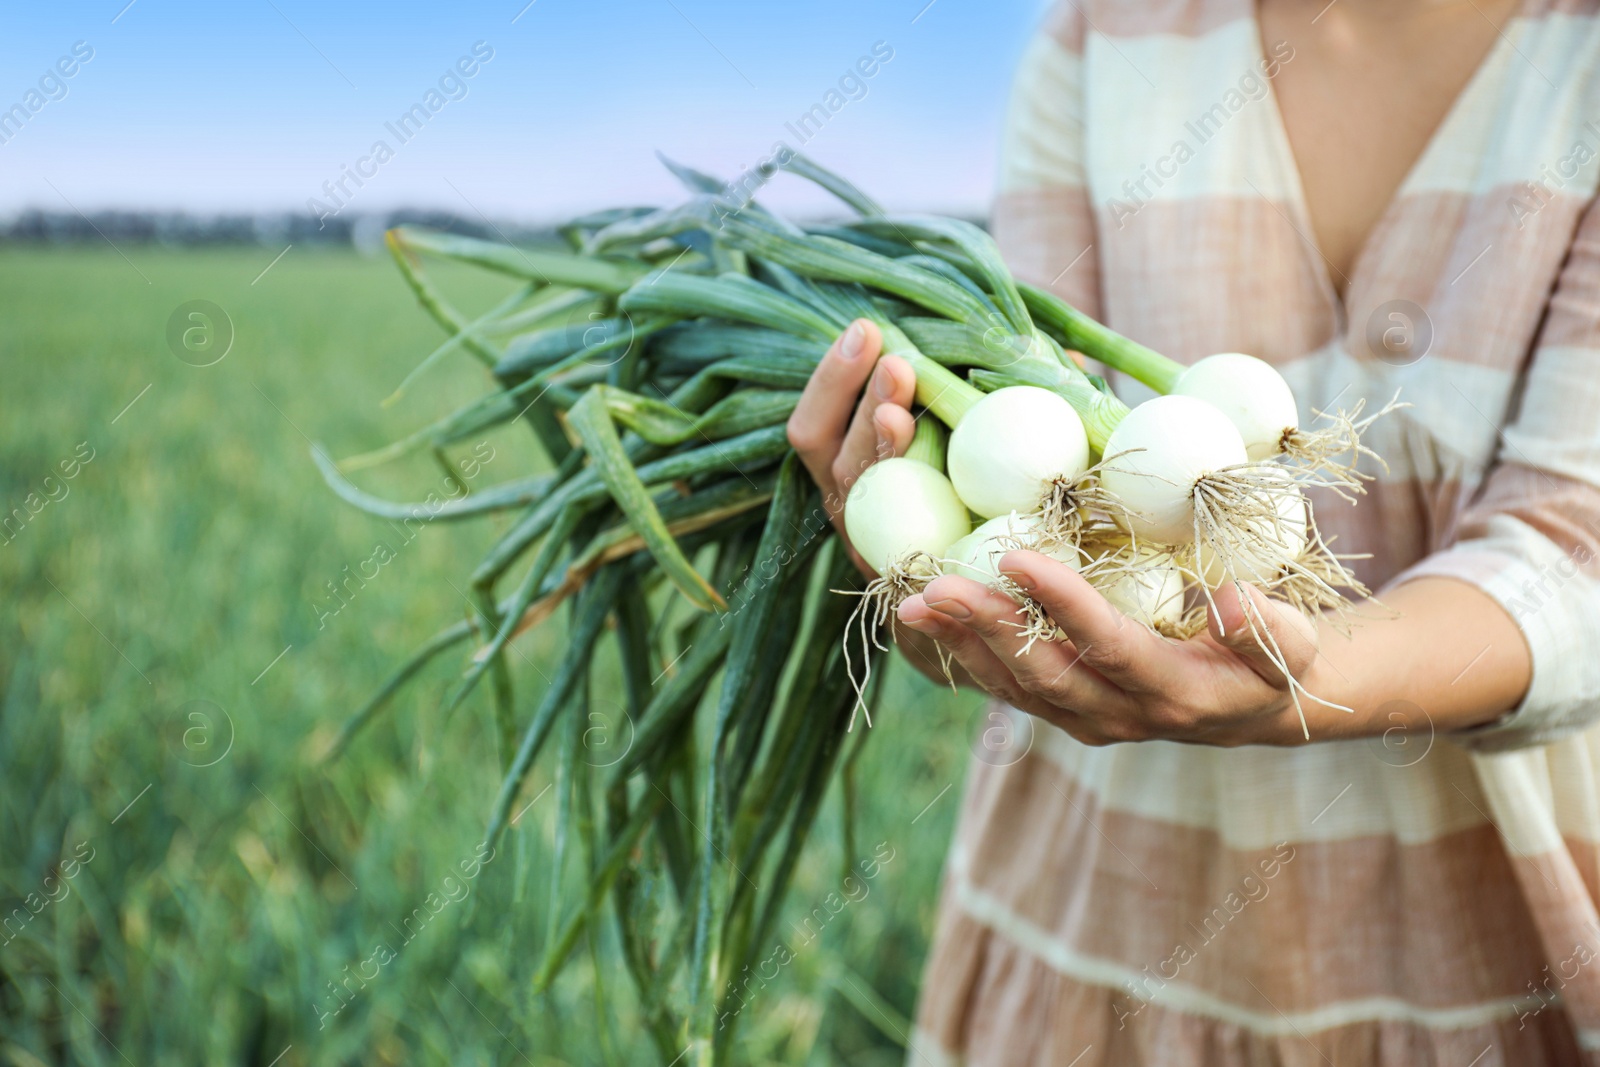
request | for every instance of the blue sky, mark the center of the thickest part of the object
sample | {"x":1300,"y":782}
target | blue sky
{"x":253,"y":104}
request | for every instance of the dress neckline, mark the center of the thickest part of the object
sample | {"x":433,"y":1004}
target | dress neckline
{"x":1438,"y":141}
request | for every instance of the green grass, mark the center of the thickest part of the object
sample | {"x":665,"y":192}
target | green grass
{"x":147,"y":720}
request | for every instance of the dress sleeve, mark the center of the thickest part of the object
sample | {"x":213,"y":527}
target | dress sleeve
{"x":1043,"y":219}
{"x":1532,"y":536}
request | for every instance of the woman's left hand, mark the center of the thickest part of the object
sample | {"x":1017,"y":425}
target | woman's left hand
{"x":1113,"y":679}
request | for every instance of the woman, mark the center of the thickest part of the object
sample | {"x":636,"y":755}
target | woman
{"x":1371,"y":195}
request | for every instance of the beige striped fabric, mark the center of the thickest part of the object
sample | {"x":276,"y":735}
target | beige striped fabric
{"x":1431,"y":901}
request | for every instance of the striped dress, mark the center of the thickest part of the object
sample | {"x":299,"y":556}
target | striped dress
{"x":1401,"y":901}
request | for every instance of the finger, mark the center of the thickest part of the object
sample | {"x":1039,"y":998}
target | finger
{"x":1267,"y":635}
{"x":1049,"y":669}
{"x":895,"y":428}
{"x":1125,"y":653}
{"x":956,"y":639}
{"x":991,"y":672}
{"x":893,"y":385}
{"x":818,"y":423}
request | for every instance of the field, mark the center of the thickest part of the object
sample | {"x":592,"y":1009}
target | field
{"x":181,"y":881}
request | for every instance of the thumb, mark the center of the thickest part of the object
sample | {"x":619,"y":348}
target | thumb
{"x":1267,"y":634}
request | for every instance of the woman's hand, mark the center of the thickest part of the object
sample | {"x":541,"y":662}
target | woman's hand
{"x":843,"y":424}
{"x":1113,"y":679}
{"x":856,"y":410}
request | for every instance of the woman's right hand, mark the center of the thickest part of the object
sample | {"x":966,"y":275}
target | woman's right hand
{"x":855,"y":410}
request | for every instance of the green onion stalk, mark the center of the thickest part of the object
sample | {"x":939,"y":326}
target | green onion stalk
{"x":655,"y":362}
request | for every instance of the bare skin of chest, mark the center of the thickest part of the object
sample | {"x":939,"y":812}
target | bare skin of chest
{"x":1370,"y":83}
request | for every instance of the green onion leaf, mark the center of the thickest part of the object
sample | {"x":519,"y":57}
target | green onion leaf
{"x":592,"y":423}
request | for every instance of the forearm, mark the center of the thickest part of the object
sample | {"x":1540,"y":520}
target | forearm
{"x":1450,"y":659}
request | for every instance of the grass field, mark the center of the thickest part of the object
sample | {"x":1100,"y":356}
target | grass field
{"x":180,"y":882}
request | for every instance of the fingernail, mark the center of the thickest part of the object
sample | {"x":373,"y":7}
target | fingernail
{"x":883,"y":383}
{"x":1023,"y":581}
{"x":953,"y":608}
{"x":854,"y":338}
{"x":926,"y":626}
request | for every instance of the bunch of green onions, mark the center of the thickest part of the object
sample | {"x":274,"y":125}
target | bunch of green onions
{"x":656,"y":363}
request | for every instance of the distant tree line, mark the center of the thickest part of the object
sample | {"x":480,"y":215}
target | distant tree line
{"x":181,"y":229}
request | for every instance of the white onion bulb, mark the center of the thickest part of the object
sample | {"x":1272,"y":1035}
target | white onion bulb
{"x":1251,"y":393}
{"x":901,"y":506}
{"x":1011,"y":446}
{"x":977,"y":555}
{"x":1171,"y":441}
{"x":1151,"y":594}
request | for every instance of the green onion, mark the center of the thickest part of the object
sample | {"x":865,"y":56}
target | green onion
{"x":656,"y":362}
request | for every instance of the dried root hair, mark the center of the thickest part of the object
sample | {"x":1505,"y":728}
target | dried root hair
{"x":1049,"y":535}
{"x":1314,"y":584}
{"x":1074,"y":506}
{"x":1315,"y":581}
{"x":1236,"y":516}
{"x":1036,"y":624}
{"x":1256,"y":624}
{"x":1227,"y":523}
{"x":1110,"y":554}
{"x":1333,"y":452}
{"x":880,"y":600}
{"x":1192,"y":623}
{"x":1319,"y":584}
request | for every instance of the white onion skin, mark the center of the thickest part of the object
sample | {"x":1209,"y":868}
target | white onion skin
{"x":1251,"y":393}
{"x":977,"y":555}
{"x":1008,"y":449}
{"x":1253,"y":565}
{"x":1170,"y":441}
{"x":900,"y":506}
